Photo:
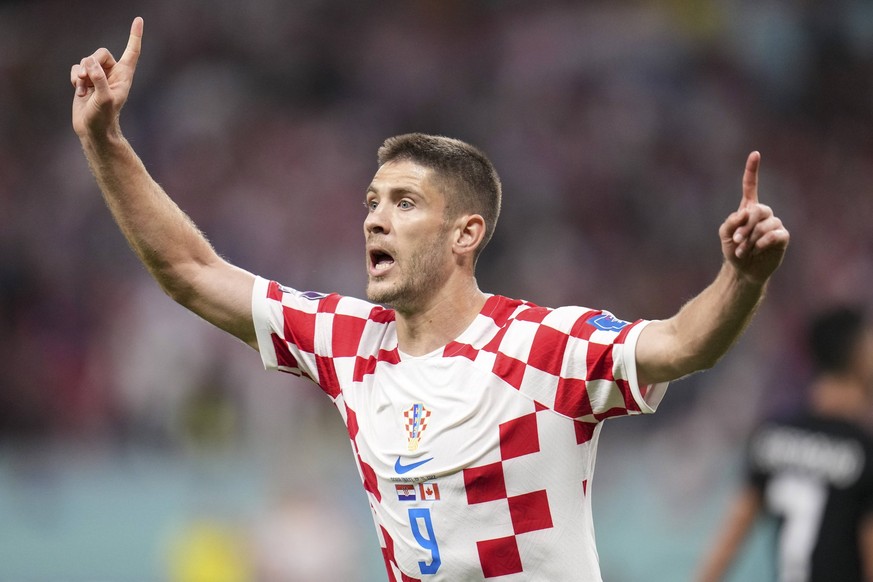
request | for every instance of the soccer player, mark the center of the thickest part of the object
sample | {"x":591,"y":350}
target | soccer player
{"x":473,"y":418}
{"x":814,"y":472}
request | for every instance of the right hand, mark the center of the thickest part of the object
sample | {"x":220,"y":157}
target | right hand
{"x":102,"y":85}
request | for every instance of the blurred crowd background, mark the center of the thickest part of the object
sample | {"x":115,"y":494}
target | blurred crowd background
{"x":139,"y":444}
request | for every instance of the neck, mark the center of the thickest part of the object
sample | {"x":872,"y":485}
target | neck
{"x":441,"y":320}
{"x":840,"y":396}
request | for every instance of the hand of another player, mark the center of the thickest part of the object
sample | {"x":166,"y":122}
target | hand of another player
{"x":102,"y":85}
{"x":753,"y":239}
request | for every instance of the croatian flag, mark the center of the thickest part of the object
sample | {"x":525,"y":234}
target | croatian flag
{"x":405,"y":492}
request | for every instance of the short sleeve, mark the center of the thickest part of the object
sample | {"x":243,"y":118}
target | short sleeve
{"x":578,"y":361}
{"x":647,"y":396}
{"x":603,"y":350}
{"x":284,"y":321}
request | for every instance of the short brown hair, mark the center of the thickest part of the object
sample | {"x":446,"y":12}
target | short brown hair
{"x":470,"y":180}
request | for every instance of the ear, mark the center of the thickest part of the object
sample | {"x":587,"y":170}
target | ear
{"x":469,"y":232}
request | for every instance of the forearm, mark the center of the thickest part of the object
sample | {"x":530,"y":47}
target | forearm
{"x":734,"y":531}
{"x":702,"y":331}
{"x":162,"y":236}
{"x":708,"y":325}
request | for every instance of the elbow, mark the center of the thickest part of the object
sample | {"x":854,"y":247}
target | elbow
{"x":698,"y":362}
{"x":177,"y":291}
{"x":705,"y":362}
{"x":682,"y":365}
{"x":178,"y":282}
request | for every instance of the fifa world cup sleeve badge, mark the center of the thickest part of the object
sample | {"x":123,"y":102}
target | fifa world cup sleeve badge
{"x":416,"y":422}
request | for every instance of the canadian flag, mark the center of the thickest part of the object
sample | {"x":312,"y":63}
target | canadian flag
{"x":429,"y":491}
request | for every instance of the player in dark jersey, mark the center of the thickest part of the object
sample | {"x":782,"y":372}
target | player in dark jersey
{"x":814,"y":472}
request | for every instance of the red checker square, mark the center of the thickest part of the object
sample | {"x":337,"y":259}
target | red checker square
{"x":329,"y":303}
{"x":582,"y":329}
{"x":494,"y":345}
{"x":388,"y":550}
{"x":628,"y":395}
{"x":622,"y":335}
{"x":371,"y":483}
{"x":459,"y":349}
{"x":300,"y":328}
{"x":485,"y":483}
{"x":283,"y":353}
{"x":499,"y":557}
{"x":571,"y":398}
{"x":363,"y":367}
{"x":509,"y":369}
{"x":274,"y":292}
{"x":519,"y":437}
{"x":381,"y":315}
{"x":389,"y":567}
{"x":547,"y":350}
{"x":327,"y":376}
{"x":388,"y":554}
{"x":584,"y":431}
{"x":500,"y":309}
{"x":347,"y":332}
{"x":389,"y":356}
{"x":530,"y":512}
{"x":534,"y":314}
{"x":613,"y":412}
{"x":599,"y":360}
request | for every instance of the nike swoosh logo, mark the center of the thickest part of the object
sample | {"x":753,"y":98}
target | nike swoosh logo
{"x":401,"y":468}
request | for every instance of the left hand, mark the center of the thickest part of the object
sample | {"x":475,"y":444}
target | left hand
{"x":753,"y":239}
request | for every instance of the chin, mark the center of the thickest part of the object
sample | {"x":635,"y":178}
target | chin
{"x":390,"y":296}
{"x":380,"y":293}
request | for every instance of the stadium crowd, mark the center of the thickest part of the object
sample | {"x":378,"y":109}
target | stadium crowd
{"x":620,"y":132}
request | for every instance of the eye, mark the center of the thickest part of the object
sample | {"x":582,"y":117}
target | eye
{"x":370,"y":205}
{"x":404,"y":204}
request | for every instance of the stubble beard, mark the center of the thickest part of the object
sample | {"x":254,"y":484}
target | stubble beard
{"x":421,"y":276}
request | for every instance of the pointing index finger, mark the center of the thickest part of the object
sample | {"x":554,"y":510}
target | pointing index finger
{"x":750,"y":180}
{"x":134,"y":43}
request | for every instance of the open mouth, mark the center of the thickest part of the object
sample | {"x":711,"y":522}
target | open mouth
{"x":380,"y":260}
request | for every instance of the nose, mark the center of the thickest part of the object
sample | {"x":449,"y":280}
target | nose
{"x":376,"y":221}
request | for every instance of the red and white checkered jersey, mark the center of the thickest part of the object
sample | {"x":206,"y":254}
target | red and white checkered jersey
{"x":477,"y":458}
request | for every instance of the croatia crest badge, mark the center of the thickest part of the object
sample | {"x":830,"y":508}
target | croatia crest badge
{"x":416,"y":421}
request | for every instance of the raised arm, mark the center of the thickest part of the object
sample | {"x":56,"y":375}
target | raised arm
{"x":753,"y":242}
{"x":167,"y":242}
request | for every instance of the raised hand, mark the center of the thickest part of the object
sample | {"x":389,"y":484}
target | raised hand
{"x":102,"y":85}
{"x":753,"y":239}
